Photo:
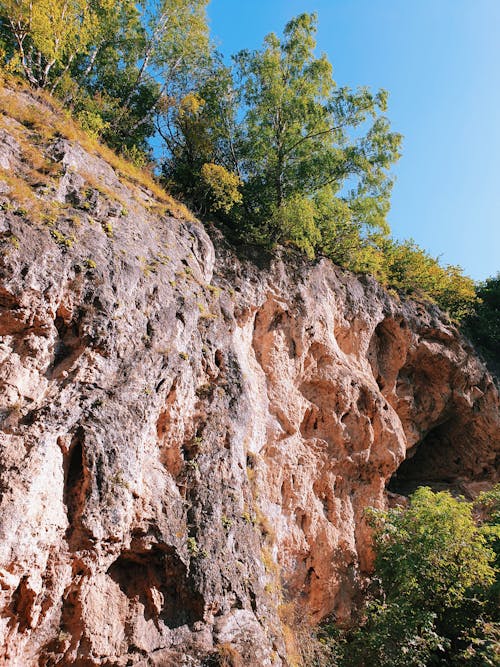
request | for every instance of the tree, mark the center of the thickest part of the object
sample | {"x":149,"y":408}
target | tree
{"x":434,"y":571}
{"x":85,"y":51}
{"x":483,"y":324}
{"x":100,"y":80}
{"x":298,"y":142}
{"x":200,"y":135}
{"x":176,"y":44}
{"x":304,"y":149}
{"x":116,"y":63}
{"x":43,"y":37}
{"x":432,"y":551}
{"x":143,"y":62}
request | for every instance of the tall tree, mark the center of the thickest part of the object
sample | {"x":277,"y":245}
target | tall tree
{"x":201,"y":131}
{"x":176,"y":45}
{"x":307,"y":140}
{"x":117,"y":63}
{"x":101,"y":79}
{"x":44,"y":37}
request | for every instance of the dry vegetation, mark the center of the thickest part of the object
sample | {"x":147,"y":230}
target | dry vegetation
{"x":43,"y":121}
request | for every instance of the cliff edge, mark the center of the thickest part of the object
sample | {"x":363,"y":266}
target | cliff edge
{"x":188,"y":441}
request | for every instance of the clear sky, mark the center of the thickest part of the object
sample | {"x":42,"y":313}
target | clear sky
{"x":440,"y":62}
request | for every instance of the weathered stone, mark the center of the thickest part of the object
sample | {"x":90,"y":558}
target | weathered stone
{"x":187,"y":440}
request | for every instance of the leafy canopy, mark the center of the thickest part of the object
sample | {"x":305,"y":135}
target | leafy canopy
{"x":483,"y":323}
{"x":304,"y":142}
{"x":116,"y":63}
{"x":432,"y":551}
{"x":435,"y":569}
{"x":310,"y":162}
{"x":271,"y":145}
{"x":410,"y":269}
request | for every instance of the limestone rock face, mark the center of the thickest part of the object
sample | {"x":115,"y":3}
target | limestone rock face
{"x":188,"y":439}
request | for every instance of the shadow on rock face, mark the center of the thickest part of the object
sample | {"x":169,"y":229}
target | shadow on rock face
{"x":158,"y":581}
{"x":437,"y":461}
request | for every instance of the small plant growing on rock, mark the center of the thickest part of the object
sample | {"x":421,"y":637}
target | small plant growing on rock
{"x":226,"y":522}
{"x":192,"y":546}
{"x":194,"y":549}
{"x":60,"y":239}
{"x":204,"y":313}
{"x":247,"y":518}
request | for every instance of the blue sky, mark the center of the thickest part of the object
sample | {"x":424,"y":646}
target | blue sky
{"x":440,"y":62}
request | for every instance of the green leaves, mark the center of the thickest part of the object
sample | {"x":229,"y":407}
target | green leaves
{"x":483,"y":323}
{"x":413,"y":271}
{"x":278,"y":122}
{"x":47,"y":36}
{"x":303,"y":138}
{"x":433,"y":550}
{"x":221,"y":187}
{"x":295,"y":221}
{"x":114,"y":62}
{"x":435,"y":572}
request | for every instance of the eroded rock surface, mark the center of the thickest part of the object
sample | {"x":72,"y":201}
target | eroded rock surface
{"x":187,"y":441}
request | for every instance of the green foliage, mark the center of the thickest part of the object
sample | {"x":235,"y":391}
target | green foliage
{"x":115,"y":63}
{"x":432,"y":551}
{"x":14,"y":241}
{"x":192,"y":545}
{"x":487,"y":505}
{"x":303,"y":138}
{"x":295,"y":222}
{"x":433,"y":596}
{"x":483,"y":324}
{"x":394,"y":635}
{"x":137,"y":157}
{"x":221,"y":187}
{"x":199,"y":131}
{"x":303,"y":147}
{"x":92,"y":122}
{"x":413,"y":271}
{"x":43,"y":37}
{"x":272,"y":146}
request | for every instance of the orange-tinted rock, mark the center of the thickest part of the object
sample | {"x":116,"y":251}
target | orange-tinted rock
{"x":184,"y":438}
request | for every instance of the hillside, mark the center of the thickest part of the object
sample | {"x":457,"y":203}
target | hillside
{"x":189,"y":440}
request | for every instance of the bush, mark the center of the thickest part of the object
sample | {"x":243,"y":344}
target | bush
{"x":435,"y":586}
{"x":412,"y":270}
{"x":220,"y":188}
{"x":483,"y":324}
{"x":294,"y":223}
{"x":92,"y":122}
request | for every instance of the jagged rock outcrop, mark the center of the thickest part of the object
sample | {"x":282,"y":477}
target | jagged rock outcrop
{"x":188,"y":440}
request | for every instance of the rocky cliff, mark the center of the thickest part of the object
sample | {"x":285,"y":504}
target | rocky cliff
{"x":189,"y":440}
